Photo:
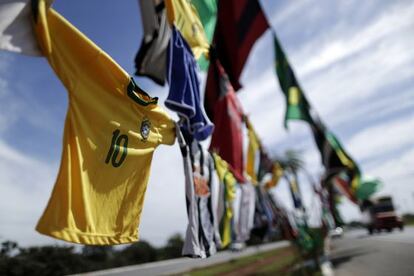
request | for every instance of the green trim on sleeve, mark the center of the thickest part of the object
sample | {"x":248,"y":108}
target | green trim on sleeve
{"x":138,"y":95}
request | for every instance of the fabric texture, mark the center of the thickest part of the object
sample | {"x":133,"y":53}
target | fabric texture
{"x":217,"y":206}
{"x":239,"y":24}
{"x":246,"y":212}
{"x":297,"y":106}
{"x":367,"y":188}
{"x":207,"y":10}
{"x":235,"y":221}
{"x":336,"y":160}
{"x":295,"y":192}
{"x":253,"y":153}
{"x":183,"y":15}
{"x":192,"y":246}
{"x":229,"y":182}
{"x":151,"y":59}
{"x":277,"y":173}
{"x":112,"y":128}
{"x":227,"y":139}
{"x":16,"y":31}
{"x":200,"y":240}
{"x":265,"y":165}
{"x":184,"y":95}
{"x":263,"y":218}
{"x":334,"y":157}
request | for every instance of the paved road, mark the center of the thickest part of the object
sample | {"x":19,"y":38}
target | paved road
{"x":358,"y":253}
{"x":185,"y":264}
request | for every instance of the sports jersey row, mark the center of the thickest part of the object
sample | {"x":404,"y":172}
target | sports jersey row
{"x":112,"y":128}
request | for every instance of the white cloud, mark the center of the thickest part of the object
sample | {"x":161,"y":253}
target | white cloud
{"x":25,"y":187}
{"x":342,"y":45}
{"x":383,"y":139}
{"x":164,"y":211}
{"x":355,"y":71}
{"x":397,"y":175}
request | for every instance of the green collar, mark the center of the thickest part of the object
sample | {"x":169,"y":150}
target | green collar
{"x":138,"y":95}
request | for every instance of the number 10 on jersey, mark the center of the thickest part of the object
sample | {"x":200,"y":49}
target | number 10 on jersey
{"x":119,"y":144}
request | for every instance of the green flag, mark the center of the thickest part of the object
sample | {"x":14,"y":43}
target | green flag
{"x":304,"y":240}
{"x":297,"y":106}
{"x":367,"y":188}
{"x":334,"y":157}
{"x":207,"y":10}
{"x":336,"y":160}
{"x":334,"y":200}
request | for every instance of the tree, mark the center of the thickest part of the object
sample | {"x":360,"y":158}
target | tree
{"x":98,"y":257}
{"x":137,"y":253}
{"x":173,"y":248}
{"x":7,"y":248}
{"x":292,"y":161}
{"x":45,"y":260}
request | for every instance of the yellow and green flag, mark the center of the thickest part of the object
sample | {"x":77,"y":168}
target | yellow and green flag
{"x":184,"y":16}
{"x":297,"y":106}
{"x":207,"y":11}
{"x":336,"y":160}
{"x":334,"y":157}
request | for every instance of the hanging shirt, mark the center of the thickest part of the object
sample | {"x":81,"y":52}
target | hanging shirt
{"x":269,"y":202}
{"x":200,"y":239}
{"x":227,"y":139}
{"x":239,"y":24}
{"x":225,"y":212}
{"x":217,"y":195}
{"x":112,"y":128}
{"x":184,"y":16}
{"x":295,"y":192}
{"x":266,"y":207}
{"x":246,"y":212}
{"x":236,"y":206}
{"x":261,"y":222}
{"x":16,"y":31}
{"x":151,"y":59}
{"x":253,"y":153}
{"x":184,"y":95}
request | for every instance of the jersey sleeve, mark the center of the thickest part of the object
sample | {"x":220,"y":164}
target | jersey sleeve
{"x":166,"y":130}
{"x":71,"y":54}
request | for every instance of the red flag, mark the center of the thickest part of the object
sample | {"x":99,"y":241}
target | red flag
{"x":239,"y":24}
{"x":227,"y":139}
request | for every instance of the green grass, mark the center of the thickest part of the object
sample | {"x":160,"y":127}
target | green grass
{"x":277,"y":268}
{"x":409,"y":223}
{"x":283,"y":262}
{"x":408,"y":219}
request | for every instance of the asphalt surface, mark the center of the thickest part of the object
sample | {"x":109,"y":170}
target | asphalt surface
{"x":356,"y":253}
{"x":181,"y":265}
{"x":383,"y":254}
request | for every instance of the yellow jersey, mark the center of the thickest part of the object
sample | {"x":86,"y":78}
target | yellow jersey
{"x":111,"y":130}
{"x":227,"y":178}
{"x":252,"y":151}
{"x":185,"y":17}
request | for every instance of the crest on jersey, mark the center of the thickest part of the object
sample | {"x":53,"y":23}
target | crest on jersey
{"x":145,"y":129}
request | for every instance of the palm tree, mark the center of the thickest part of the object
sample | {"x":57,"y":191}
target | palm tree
{"x":292,"y":161}
{"x":291,"y":164}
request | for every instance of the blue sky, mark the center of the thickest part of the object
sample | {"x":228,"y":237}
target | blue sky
{"x":354,"y":60}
